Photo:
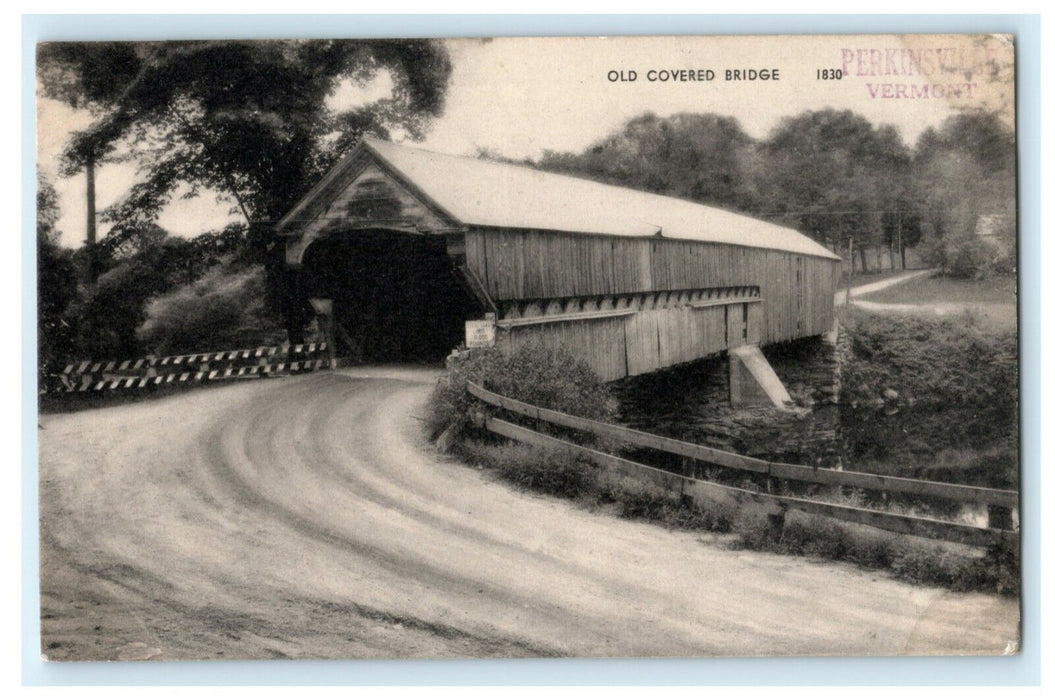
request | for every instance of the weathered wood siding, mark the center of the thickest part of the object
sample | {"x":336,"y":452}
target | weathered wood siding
{"x":647,"y":332}
{"x":797,"y":290}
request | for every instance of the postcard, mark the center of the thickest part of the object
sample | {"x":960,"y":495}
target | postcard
{"x":664,"y":346}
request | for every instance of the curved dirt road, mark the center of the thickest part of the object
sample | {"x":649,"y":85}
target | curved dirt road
{"x":305,"y":517}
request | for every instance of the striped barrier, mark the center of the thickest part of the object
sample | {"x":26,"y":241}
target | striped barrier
{"x":185,"y":369}
{"x":89,"y":367}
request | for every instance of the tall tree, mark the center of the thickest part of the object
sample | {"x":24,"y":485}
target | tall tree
{"x":56,"y":283}
{"x":964,"y":170}
{"x":702,"y":157}
{"x":833,"y":175}
{"x":251,"y":120}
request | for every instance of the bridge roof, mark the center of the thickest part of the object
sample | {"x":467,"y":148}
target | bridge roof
{"x":479,"y":192}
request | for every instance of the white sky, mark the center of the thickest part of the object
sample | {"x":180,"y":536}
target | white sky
{"x":519,"y":97}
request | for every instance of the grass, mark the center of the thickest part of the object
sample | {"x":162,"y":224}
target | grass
{"x":918,"y":561}
{"x":563,"y":474}
{"x":947,"y":290}
{"x":916,"y":392}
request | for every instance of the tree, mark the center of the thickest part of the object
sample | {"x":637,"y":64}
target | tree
{"x":222,"y":309}
{"x":702,"y":157}
{"x":833,"y":175}
{"x":251,"y":120}
{"x":964,"y":170}
{"x":56,"y":284}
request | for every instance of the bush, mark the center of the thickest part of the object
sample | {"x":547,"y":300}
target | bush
{"x":997,"y":571}
{"x":974,"y":258}
{"x":554,"y":472}
{"x":551,"y":378}
{"x":639,"y":501}
{"x":967,"y":257}
{"x":222,"y":309}
{"x":916,"y":388}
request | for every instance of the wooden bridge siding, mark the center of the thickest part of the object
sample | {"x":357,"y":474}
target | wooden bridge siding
{"x":797,"y":290}
{"x":602,"y":342}
{"x":635,"y":344}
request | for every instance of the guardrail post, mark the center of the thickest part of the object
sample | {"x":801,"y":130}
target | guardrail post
{"x":1000,"y":518}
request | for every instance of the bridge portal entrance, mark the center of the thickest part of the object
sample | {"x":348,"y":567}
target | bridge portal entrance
{"x":397,"y":297}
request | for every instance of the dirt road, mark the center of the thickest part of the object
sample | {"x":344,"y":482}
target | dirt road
{"x":870,"y":287}
{"x":305,"y":517}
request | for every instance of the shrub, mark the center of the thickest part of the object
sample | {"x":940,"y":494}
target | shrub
{"x":555,"y":472}
{"x":974,"y":258}
{"x":935,"y":252}
{"x":921,"y":563}
{"x":997,"y":571}
{"x":222,"y":309}
{"x":951,"y":388}
{"x":926,"y":567}
{"x":551,"y":378}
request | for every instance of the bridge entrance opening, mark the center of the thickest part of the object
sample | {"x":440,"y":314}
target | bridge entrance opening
{"x":397,"y":297}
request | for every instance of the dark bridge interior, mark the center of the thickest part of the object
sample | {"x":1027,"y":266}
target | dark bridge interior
{"x":397,"y":297}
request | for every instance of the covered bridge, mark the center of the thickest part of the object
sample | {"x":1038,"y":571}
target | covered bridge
{"x":409,"y":244}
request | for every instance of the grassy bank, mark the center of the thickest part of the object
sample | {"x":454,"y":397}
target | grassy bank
{"x":930,"y":398}
{"x":560,"y":382}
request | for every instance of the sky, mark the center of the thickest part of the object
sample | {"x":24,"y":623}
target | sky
{"x":520,"y":97}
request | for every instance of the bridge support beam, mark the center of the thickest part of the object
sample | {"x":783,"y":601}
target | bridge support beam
{"x":752,"y":381}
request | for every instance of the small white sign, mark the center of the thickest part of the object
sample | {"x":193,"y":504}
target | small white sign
{"x":480,"y":334}
{"x":323,"y":307}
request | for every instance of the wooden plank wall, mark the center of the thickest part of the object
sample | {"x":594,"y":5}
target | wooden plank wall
{"x":513,"y":264}
{"x":650,"y":339}
{"x":602,"y":342}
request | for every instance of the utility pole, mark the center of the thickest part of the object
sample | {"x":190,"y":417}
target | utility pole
{"x":900,"y":242}
{"x":89,"y":170}
{"x":850,"y":281}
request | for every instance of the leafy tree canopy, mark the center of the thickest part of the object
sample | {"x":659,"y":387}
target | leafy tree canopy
{"x":702,"y":157}
{"x":966,"y":169}
{"x":832,"y":174}
{"x":249,"y":119}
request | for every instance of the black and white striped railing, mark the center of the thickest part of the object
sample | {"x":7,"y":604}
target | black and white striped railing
{"x":153,"y":372}
{"x":90,"y":367}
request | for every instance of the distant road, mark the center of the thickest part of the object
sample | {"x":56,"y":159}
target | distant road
{"x":306,"y":517}
{"x":860,"y":290}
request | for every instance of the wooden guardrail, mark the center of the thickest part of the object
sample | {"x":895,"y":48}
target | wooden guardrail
{"x":767,"y":503}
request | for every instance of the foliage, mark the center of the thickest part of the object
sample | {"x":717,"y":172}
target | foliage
{"x":640,"y":501}
{"x":104,"y":315}
{"x":554,"y":472}
{"x":250,"y":119}
{"x":551,"y":378}
{"x":974,"y":258}
{"x":962,"y":171}
{"x":254,"y":121}
{"x":109,"y":310}
{"x":832,"y":175}
{"x":998,"y":571}
{"x":702,"y":157}
{"x":56,"y":285}
{"x":224,"y":308}
{"x":913,"y":561}
{"x":953,"y":388}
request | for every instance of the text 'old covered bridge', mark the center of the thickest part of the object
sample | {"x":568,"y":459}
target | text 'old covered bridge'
{"x":408,"y":244}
